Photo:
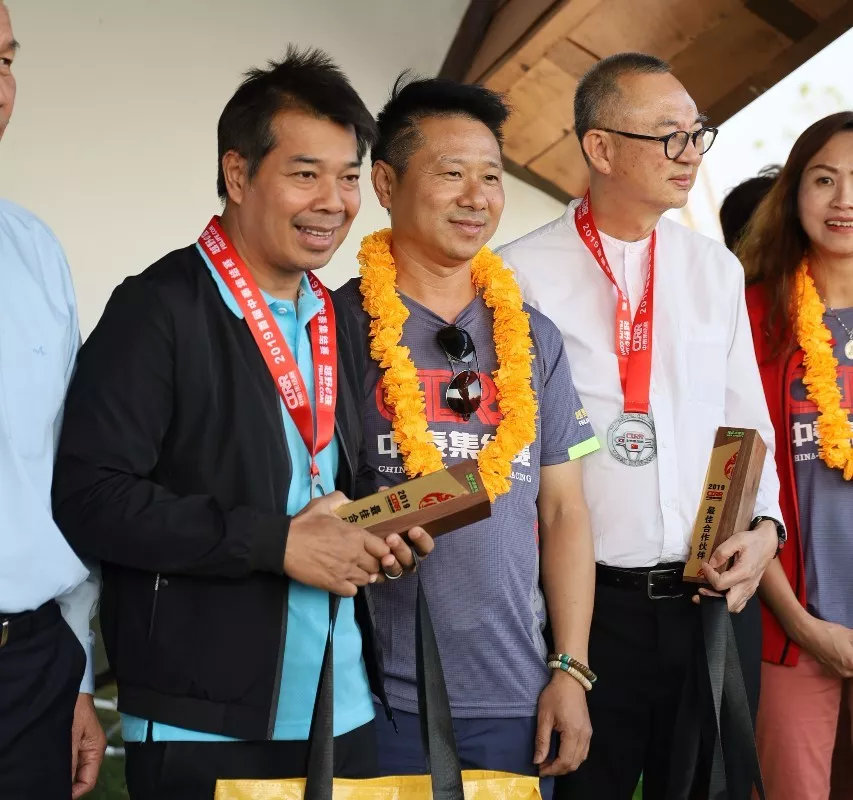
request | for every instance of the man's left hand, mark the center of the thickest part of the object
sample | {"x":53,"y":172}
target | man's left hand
{"x":562,"y":709}
{"x":88,"y":743}
{"x":753,"y":551}
{"x":402,"y":557}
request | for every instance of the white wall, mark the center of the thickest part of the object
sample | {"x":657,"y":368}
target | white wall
{"x":113,"y":139}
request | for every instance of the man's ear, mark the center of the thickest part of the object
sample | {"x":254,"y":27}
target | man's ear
{"x":384,"y":178}
{"x":236,"y":176}
{"x":598,"y":148}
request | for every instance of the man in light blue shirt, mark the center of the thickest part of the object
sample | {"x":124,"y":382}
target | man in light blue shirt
{"x":47,"y":595}
{"x":182,"y":472}
{"x":307,"y":606}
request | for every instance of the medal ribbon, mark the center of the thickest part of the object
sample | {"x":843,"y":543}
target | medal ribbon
{"x":633,"y":340}
{"x":274,"y":349}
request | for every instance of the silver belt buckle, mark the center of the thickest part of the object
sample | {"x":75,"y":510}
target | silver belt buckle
{"x":4,"y":633}
{"x":650,"y":584}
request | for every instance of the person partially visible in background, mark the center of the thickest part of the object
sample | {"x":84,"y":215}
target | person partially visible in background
{"x":799,"y":245}
{"x":51,"y":743}
{"x":742,"y":200}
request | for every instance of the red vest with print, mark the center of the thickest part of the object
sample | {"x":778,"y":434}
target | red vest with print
{"x":776,"y":375}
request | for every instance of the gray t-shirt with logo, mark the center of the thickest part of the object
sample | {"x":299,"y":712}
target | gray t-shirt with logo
{"x":825,"y":498}
{"x":482,"y":581}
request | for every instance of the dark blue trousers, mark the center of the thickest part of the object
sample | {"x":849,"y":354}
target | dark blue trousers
{"x":40,"y":674}
{"x":494,"y":744}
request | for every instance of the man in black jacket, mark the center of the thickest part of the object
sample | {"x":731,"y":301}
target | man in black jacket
{"x":210,"y":431}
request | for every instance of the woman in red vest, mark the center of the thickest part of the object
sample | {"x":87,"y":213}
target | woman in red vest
{"x":798,"y":254}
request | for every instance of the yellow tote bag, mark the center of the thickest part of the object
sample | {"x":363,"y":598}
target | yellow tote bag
{"x":477,"y":785}
{"x":446,"y":780}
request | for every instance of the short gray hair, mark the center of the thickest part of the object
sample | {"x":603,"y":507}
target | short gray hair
{"x":599,"y":87}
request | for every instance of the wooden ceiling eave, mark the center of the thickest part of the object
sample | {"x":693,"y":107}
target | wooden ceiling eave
{"x":797,"y":54}
{"x":727,"y":52}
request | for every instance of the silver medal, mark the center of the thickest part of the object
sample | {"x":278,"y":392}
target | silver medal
{"x":848,"y":349}
{"x":631,"y":439}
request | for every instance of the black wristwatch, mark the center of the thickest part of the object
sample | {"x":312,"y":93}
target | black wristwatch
{"x":781,"y":533}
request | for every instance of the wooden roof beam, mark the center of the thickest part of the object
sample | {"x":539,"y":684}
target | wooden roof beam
{"x":797,"y":54}
{"x":488,"y":31}
{"x":788,"y":19}
{"x":514,"y":23}
{"x":468,"y":39}
{"x":535,"y":180}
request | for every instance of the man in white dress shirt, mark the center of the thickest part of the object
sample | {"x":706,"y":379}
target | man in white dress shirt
{"x":655,"y":326}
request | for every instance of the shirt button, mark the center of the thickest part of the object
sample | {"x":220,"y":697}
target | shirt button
{"x":281,"y":310}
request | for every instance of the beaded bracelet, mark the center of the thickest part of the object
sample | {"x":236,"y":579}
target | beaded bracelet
{"x":565,"y":658}
{"x":580,"y":678}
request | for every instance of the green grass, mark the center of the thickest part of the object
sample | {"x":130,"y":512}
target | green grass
{"x":110,"y":781}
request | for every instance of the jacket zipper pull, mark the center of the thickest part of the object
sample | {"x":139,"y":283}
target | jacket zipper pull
{"x":154,"y":605}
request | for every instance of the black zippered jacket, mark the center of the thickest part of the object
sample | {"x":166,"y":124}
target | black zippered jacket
{"x":173,"y":473}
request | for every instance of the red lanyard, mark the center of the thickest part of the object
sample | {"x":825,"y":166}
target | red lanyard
{"x":633,"y":340}
{"x":280,"y":360}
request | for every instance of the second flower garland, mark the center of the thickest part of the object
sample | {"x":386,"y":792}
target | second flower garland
{"x":821,"y":375}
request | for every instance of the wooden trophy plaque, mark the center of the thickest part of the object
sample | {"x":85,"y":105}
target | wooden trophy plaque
{"x":439,"y":502}
{"x":728,"y":496}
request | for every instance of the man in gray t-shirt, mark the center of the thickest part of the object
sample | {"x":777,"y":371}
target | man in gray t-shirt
{"x":483,"y":580}
{"x":437,"y":169}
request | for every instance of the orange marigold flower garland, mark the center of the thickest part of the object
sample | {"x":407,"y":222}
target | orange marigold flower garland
{"x":403,"y":394}
{"x":821,"y":375}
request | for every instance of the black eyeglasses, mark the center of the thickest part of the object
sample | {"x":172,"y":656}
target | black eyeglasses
{"x":464,"y":392}
{"x":675,"y":143}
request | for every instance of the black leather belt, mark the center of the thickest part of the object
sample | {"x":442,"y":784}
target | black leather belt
{"x":14,"y":627}
{"x":660,"y":582}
